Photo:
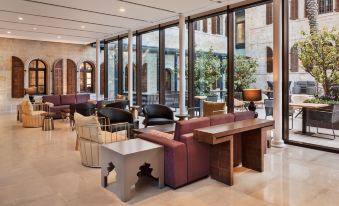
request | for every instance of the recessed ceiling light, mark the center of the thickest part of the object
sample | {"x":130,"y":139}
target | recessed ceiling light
{"x":8,"y":32}
{"x":83,"y":26}
{"x":20,"y":18}
{"x":122,"y":9}
{"x":59,"y":37}
{"x":34,"y":28}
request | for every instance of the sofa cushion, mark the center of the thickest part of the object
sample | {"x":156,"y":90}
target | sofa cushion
{"x":82,"y":98}
{"x":239,"y":116}
{"x":67,"y":99}
{"x":27,"y":107}
{"x":158,"y":121}
{"x":161,"y":134}
{"x":221,"y":119}
{"x":55,"y":99}
{"x":187,"y":126}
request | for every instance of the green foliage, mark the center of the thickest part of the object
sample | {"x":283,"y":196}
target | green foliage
{"x":318,"y":53}
{"x":207,"y":70}
{"x":244,"y":72}
{"x":322,"y":101}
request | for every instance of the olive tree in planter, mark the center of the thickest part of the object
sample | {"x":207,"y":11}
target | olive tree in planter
{"x":318,"y":53}
{"x":245,"y":69}
{"x":207,"y":70}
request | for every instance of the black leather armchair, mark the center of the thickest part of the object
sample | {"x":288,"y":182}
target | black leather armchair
{"x":157,"y":114}
{"x":121,"y":104}
{"x":115,"y":115}
{"x":85,"y":109}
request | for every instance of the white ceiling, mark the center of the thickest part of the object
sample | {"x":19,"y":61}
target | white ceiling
{"x":84,"y":21}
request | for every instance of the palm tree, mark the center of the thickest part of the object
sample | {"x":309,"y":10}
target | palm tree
{"x":312,"y":15}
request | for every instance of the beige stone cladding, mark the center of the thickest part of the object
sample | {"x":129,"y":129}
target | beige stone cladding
{"x":48,"y":52}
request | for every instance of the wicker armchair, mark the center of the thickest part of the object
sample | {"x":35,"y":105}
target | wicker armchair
{"x":31,"y":114}
{"x":91,"y":135}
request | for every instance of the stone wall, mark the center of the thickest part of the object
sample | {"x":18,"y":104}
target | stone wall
{"x":28,"y":50}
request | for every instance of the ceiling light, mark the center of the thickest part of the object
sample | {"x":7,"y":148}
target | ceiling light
{"x":59,"y":37}
{"x":83,"y":26}
{"x":34,"y":28}
{"x":20,"y":18}
{"x":8,"y":32}
{"x":122,"y":10}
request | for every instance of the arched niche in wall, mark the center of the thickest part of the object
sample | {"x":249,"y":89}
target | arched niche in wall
{"x":18,"y":75}
{"x":71,"y":77}
{"x":87,"y":77}
{"x":37,"y":76}
{"x":102,"y":78}
{"x":57,"y":77}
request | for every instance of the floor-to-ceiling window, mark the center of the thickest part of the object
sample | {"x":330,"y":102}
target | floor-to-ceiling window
{"x":253,"y":60}
{"x":112,"y":65}
{"x":125,"y":67}
{"x":150,"y":68}
{"x":210,"y":45}
{"x":171,"y":73}
{"x":313,"y":74}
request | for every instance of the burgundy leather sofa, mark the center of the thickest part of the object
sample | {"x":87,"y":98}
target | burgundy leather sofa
{"x":187,"y":160}
{"x":64,"y":101}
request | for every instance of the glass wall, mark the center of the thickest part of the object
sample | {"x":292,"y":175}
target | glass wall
{"x":172,"y":67}
{"x":210,"y":61}
{"x":150,"y":68}
{"x":112,"y":79}
{"x":316,"y":83}
{"x":125,"y":67}
{"x":253,"y":60}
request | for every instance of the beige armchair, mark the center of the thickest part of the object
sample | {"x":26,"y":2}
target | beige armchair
{"x":212,"y":108}
{"x":91,"y":135}
{"x":30,"y":116}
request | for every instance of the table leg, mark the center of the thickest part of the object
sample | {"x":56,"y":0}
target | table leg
{"x":304,"y":119}
{"x":52,"y":121}
{"x":253,"y":149}
{"x":221,"y":162}
{"x":201,"y":108}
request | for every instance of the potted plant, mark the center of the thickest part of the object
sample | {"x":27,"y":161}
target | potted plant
{"x":318,"y":53}
{"x":207,"y":70}
{"x":244,"y":74}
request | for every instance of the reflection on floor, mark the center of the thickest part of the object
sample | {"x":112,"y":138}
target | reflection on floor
{"x":42,"y":168}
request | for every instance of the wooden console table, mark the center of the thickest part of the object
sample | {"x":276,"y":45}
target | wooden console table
{"x":253,"y":133}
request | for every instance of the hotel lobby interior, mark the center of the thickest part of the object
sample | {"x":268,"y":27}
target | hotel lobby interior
{"x":145,"y":102}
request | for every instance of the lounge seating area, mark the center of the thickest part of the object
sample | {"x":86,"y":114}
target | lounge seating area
{"x":169,"y":103}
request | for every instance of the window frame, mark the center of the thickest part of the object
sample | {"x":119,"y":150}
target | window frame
{"x":37,"y":69}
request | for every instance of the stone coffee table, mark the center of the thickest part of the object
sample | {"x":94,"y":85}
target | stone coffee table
{"x":127,"y":158}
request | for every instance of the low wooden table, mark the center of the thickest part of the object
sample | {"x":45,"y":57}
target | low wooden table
{"x":167,"y":128}
{"x":253,"y":133}
{"x":303,"y":107}
{"x":127,"y":158}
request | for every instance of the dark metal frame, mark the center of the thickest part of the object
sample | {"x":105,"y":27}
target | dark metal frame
{"x":230,"y":51}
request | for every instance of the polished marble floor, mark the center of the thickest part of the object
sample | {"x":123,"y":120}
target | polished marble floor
{"x":42,"y":168}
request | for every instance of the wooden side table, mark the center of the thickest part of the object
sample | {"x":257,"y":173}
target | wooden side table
{"x":127,"y":158}
{"x":47,"y":122}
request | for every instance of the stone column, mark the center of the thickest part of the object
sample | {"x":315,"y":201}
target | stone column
{"x":182,"y":78}
{"x":277,"y":73}
{"x":97,"y":71}
{"x":130,"y":67}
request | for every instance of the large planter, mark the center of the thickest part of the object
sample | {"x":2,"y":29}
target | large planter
{"x":238,"y":95}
